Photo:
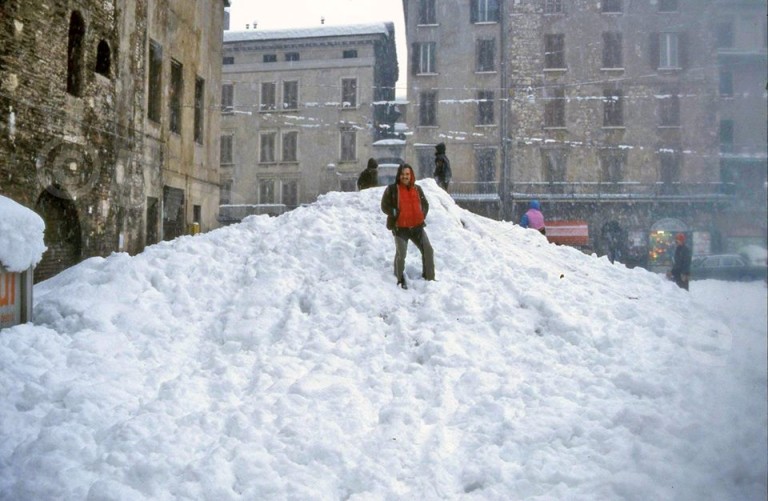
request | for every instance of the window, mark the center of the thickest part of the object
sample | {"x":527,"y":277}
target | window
{"x":226,"y":157}
{"x":291,"y":56}
{"x":668,"y":50}
{"x":726,"y":83}
{"x":290,"y":146}
{"x":155,"y":91}
{"x":428,"y":108}
{"x":268,"y":98}
{"x":267,"y":191}
{"x":350,"y":54}
{"x":726,"y":136}
{"x":611,"y":5}
{"x":612,"y":50}
{"x":554,"y":107}
{"x":349,"y":92}
{"x":427,"y":12}
{"x":485,"y":170}
{"x":270,"y":58}
{"x":553,"y":6}
{"x":199,"y":109}
{"x":267,"y":147}
{"x":227,"y":97}
{"x":423,"y":59}
{"x":103,"y":58}
{"x":228,"y":60}
{"x":225,"y":192}
{"x":348,"y":145}
{"x":554,"y":51}
{"x":75,"y":53}
{"x":290,"y":193}
{"x":669,"y":109}
{"x":197,"y":214}
{"x":613,"y":115}
{"x":176,"y":97}
{"x":484,"y":11}
{"x":553,"y":164}
{"x":612,"y":166}
{"x":724,"y":35}
{"x":669,"y":167}
{"x":486,"y":55}
{"x":291,"y":95}
{"x":667,"y":5}
{"x":485,"y":107}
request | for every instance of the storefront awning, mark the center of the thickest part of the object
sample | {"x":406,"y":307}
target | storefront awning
{"x":574,"y":232}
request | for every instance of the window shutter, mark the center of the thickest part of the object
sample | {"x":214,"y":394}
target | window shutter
{"x":653,"y":50}
{"x":682,"y":47}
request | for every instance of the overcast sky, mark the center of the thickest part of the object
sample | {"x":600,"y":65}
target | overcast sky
{"x":300,"y":13}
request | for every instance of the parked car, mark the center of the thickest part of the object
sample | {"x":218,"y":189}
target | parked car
{"x":726,"y":267}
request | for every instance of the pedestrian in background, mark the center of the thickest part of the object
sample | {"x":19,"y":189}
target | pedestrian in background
{"x":533,"y":218}
{"x":369,"y":178}
{"x":681,"y":263}
{"x":442,"y":172}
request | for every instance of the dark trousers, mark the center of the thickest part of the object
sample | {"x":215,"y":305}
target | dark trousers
{"x":419,"y":237}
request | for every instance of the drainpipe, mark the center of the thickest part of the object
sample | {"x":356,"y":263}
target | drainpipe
{"x":504,"y":195}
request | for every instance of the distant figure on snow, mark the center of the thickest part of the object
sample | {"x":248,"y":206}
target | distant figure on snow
{"x":533,"y":218}
{"x":369,"y":178}
{"x":406,"y":208}
{"x":442,"y":172}
{"x":681,"y":263}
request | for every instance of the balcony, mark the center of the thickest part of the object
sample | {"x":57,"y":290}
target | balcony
{"x":624,"y":191}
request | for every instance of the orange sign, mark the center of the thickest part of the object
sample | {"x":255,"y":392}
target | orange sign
{"x":10,"y":308}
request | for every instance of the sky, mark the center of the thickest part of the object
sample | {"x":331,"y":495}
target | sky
{"x":307,"y":13}
{"x":277,"y":359}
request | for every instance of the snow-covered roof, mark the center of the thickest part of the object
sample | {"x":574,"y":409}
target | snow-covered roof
{"x":308,"y":32}
{"x":21,"y":236}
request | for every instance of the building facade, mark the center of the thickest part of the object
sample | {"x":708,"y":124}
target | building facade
{"x":302,"y":110}
{"x":607,"y":112}
{"x":106,"y":122}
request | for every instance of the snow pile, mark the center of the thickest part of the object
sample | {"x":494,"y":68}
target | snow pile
{"x":276,"y":359}
{"x":21,"y":236}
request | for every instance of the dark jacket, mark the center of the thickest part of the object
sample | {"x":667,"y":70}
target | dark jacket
{"x":682,"y":262}
{"x":369,"y":178}
{"x":442,"y":173}
{"x":390,"y":202}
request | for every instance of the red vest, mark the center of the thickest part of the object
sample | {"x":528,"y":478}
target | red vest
{"x":409,"y":210}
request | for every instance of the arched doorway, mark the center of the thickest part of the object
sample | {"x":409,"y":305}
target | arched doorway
{"x":62,"y":234}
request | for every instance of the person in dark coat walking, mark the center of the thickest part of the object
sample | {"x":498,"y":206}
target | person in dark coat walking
{"x":369,"y":178}
{"x":406,"y":208}
{"x":442,"y":172}
{"x":681,"y":263}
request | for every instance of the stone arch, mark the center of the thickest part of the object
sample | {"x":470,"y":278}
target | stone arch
{"x":63,"y":235}
{"x":103,"y":58}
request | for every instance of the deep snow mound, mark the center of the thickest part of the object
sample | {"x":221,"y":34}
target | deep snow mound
{"x":277,"y":359}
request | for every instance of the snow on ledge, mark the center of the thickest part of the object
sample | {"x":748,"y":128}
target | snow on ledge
{"x":21,"y":236}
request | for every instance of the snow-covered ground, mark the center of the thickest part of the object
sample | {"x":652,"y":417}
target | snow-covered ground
{"x":277,"y":360}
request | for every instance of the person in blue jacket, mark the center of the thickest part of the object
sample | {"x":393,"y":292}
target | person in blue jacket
{"x":533,"y":218}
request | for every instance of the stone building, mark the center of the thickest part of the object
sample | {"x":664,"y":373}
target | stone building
{"x":607,"y":112}
{"x":108,"y":120}
{"x":302,"y":110}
